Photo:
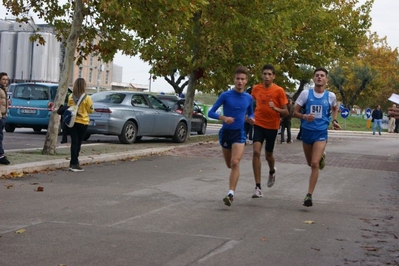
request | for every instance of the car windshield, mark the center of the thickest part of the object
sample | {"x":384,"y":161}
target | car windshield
{"x":169,"y":102}
{"x":31,"y":92}
{"x":108,"y":97}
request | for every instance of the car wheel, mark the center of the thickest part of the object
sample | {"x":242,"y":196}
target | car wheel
{"x":129,"y":132}
{"x":180,"y":133}
{"x":86,"y":136}
{"x":37,"y":129}
{"x":203,"y":129}
{"x":9,"y":127}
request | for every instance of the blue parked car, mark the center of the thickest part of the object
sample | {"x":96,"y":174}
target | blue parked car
{"x":31,"y":105}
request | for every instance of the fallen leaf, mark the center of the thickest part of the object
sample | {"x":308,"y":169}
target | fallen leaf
{"x":20,"y":231}
{"x":39,"y":189}
{"x":9,"y":186}
{"x":15,"y":174}
{"x":264,"y":239}
{"x":370,"y":248}
{"x":317,"y":249}
{"x":308,"y":222}
{"x":34,"y":184}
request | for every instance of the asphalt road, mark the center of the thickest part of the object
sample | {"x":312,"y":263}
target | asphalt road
{"x":26,"y":138}
{"x":167,"y":209}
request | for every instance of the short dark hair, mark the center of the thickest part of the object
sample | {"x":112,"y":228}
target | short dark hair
{"x":241,"y":70}
{"x":2,"y":74}
{"x":321,"y":69}
{"x":269,"y":67}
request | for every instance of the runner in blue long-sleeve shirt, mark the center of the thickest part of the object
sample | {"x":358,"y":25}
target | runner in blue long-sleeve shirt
{"x":236,"y":105}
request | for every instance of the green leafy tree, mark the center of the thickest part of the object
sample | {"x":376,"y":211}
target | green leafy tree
{"x":224,"y":34}
{"x":368,"y":78}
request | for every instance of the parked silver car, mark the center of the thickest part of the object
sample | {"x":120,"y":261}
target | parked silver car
{"x":132,"y":115}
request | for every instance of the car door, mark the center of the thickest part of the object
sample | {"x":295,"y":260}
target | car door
{"x":197,"y":119}
{"x":165,"y":120}
{"x":144,"y":114}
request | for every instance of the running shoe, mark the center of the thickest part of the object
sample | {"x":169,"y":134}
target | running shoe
{"x":257,"y":193}
{"x":228,"y":200}
{"x":322,"y":162}
{"x":75,"y":168}
{"x":4,"y":160}
{"x":308,"y":201}
{"x":272,"y":179}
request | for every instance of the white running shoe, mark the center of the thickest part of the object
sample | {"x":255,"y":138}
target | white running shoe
{"x":257,"y":193}
{"x":272,"y":178}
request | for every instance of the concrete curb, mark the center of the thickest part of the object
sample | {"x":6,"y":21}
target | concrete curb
{"x":26,"y":168}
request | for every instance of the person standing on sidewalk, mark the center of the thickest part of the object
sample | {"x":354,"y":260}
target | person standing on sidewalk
{"x":64,"y":127}
{"x":320,"y":105}
{"x":236,"y":105}
{"x":249,"y":129}
{"x":391,"y":124}
{"x":376,"y":118}
{"x":271,"y":103}
{"x":394,"y":111}
{"x":286,"y":123}
{"x":81,"y":123}
{"x":3,"y":110}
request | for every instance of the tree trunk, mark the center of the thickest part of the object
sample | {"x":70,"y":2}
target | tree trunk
{"x":192,"y":80}
{"x":50,"y":142}
{"x":176,"y":83}
{"x":189,"y":102}
{"x":302,"y":84}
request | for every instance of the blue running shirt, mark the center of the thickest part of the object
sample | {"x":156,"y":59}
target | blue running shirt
{"x":235,"y":104}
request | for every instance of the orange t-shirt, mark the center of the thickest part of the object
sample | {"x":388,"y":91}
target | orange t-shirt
{"x":265,"y":116}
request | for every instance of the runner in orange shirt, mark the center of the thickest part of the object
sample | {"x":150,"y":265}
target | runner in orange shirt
{"x":271,"y":102}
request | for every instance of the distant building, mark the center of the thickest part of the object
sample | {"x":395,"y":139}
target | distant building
{"x":129,"y":86}
{"x":117,"y":74}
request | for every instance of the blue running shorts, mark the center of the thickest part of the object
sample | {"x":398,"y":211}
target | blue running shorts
{"x":312,"y":136}
{"x":227,"y":137}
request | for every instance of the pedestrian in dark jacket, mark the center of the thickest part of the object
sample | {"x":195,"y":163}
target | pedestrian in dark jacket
{"x":376,"y":117}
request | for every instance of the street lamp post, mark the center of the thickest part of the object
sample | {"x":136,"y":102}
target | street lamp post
{"x":100,"y":69}
{"x":150,"y":80}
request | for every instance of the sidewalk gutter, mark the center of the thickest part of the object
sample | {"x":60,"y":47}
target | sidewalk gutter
{"x":17,"y":170}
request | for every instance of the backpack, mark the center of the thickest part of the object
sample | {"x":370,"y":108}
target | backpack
{"x":69,"y":115}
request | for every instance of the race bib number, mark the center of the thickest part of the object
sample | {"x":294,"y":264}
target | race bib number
{"x":316,"y":110}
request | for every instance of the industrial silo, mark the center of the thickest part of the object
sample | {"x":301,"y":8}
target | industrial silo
{"x":30,"y":26}
{"x":54,"y":59}
{"x":8,"y":45}
{"x":40,"y":59}
{"x":23,"y":57}
{"x":6,"y":25}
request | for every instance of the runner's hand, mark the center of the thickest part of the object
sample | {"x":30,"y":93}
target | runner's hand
{"x":251,"y":121}
{"x":229,"y":120}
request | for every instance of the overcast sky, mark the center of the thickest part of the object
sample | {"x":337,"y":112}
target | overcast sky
{"x":384,"y":22}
